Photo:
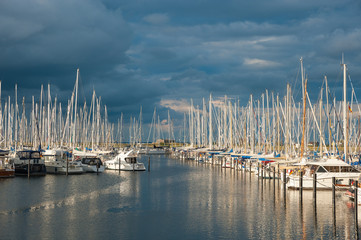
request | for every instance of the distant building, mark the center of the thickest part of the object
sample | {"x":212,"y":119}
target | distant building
{"x":164,"y":141}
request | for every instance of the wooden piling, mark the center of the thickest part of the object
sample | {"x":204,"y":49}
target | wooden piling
{"x":356,"y":205}
{"x":314,"y":187}
{"x":119,"y":165}
{"x":29,"y":168}
{"x":301,"y":185}
{"x":333,"y":193}
{"x":250,"y":173}
{"x":284,"y":180}
{"x":274,"y":176}
{"x":148,"y":164}
{"x":67,"y":166}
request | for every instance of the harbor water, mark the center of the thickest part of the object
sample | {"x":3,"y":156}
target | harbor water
{"x":177,"y":199}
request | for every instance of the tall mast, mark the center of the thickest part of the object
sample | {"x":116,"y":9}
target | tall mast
{"x":344,"y":111}
{"x":75,"y":105}
{"x":16,"y":116}
{"x":321,"y":135}
{"x":49,"y":99}
{"x":303,"y":119}
{"x":210,"y":123}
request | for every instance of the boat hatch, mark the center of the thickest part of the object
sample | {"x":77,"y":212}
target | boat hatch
{"x":131,"y":160}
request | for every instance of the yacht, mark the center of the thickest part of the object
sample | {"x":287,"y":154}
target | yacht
{"x":91,"y":164}
{"x":126,"y":161}
{"x":29,"y":163}
{"x":56,"y":161}
{"x":325,"y":171}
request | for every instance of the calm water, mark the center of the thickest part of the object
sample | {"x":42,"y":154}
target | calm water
{"x":176,"y":200}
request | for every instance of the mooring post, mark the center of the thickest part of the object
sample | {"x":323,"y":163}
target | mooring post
{"x":119,"y":165}
{"x":274,"y":176}
{"x":148,"y":164}
{"x":301,"y":185}
{"x":333,"y":192}
{"x":284,"y":180}
{"x":67,"y":164}
{"x":250,"y":167}
{"x":98,"y":165}
{"x":356,"y":205}
{"x":314,"y":187}
{"x":29,"y":168}
{"x":278,"y":172}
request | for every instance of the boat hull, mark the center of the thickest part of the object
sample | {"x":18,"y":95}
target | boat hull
{"x":126,"y":166}
{"x":35,"y":169}
{"x":7,"y":173}
{"x":53,"y":169}
{"x":324,"y":181}
{"x":93,"y":168}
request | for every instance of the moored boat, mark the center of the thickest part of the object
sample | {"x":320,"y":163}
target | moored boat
{"x":29,"y":163}
{"x":325,"y":171}
{"x":7,"y":168}
{"x":125,"y":161}
{"x":57,"y":162}
{"x":91,"y":164}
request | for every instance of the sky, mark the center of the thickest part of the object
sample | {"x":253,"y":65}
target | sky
{"x":162,"y":53}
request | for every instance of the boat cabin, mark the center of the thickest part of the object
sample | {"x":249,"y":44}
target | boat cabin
{"x":333,"y":169}
{"x":91,"y":161}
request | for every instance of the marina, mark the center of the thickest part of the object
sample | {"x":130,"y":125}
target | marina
{"x":180,"y":119}
{"x":177,"y":199}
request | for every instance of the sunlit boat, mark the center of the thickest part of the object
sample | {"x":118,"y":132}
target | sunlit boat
{"x":325,"y":171}
{"x":56,"y":162}
{"x":91,"y":164}
{"x":125,"y":161}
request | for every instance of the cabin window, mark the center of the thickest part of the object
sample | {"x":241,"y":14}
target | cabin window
{"x":131,"y":160}
{"x":321,"y":169}
{"x":348,"y":169}
{"x":332,"y":168}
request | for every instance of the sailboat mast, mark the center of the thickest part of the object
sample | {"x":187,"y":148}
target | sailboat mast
{"x":344,"y":111}
{"x":75,"y":105}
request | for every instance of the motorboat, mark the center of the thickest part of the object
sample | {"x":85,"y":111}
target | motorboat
{"x":125,"y":161}
{"x":29,"y":163}
{"x":91,"y":164}
{"x":57,"y":162}
{"x":325,"y":171}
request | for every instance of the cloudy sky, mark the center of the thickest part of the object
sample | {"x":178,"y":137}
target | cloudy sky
{"x":162,"y":53}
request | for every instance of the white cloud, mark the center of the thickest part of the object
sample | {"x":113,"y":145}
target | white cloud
{"x":260,"y":63}
{"x":177,"y":105}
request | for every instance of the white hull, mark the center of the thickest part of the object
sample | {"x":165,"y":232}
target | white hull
{"x":92,"y":168}
{"x":59,"y":167}
{"x":126,"y":166}
{"x":324,"y":181}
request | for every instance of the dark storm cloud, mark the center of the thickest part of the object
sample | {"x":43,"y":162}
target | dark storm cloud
{"x":140,"y":53}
